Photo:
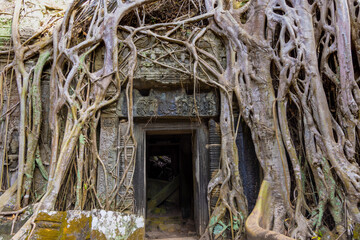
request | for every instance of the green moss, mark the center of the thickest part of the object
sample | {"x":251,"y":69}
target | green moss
{"x":356,"y":231}
{"x":77,"y":228}
{"x":138,"y":234}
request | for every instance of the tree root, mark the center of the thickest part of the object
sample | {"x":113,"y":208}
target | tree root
{"x":289,"y":64}
{"x":260,"y":216}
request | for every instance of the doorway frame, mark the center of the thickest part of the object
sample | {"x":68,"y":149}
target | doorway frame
{"x":200,"y":165}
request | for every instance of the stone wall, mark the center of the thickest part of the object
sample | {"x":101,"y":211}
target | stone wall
{"x":95,"y":224}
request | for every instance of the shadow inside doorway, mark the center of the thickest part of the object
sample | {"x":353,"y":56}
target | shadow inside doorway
{"x":169,"y":186}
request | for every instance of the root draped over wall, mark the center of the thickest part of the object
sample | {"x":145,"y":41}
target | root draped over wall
{"x":291,"y":65}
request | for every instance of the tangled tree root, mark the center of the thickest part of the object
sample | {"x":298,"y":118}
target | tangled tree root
{"x":291,"y":66}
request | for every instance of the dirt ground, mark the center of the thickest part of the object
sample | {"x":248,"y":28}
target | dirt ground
{"x":166,"y":222}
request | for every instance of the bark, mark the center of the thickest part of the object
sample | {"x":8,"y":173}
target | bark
{"x":291,"y":66}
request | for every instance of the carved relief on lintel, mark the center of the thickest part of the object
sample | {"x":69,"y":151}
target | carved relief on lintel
{"x":175,"y":103}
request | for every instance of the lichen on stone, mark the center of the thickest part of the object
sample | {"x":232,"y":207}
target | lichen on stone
{"x":115,"y":225}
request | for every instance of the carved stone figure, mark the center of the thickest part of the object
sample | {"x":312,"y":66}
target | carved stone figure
{"x":13,"y":157}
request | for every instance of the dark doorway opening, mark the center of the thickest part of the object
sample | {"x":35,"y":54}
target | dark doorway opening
{"x":169,"y":186}
{"x":249,"y":166}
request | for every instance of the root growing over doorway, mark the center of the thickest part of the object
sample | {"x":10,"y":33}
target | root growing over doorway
{"x":292,"y":67}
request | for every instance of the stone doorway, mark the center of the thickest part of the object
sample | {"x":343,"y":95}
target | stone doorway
{"x":163,"y":139}
{"x":169,"y":186}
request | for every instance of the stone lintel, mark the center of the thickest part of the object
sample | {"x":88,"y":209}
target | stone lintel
{"x":172,"y":103}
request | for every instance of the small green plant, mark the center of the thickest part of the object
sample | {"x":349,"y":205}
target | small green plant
{"x":318,"y":235}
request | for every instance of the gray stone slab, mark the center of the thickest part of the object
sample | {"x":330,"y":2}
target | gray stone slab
{"x":108,"y":153}
{"x":174,"y":103}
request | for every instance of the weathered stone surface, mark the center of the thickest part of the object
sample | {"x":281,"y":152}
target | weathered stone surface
{"x":108,"y":154}
{"x":77,"y":225}
{"x":114,"y":225}
{"x":138,"y":234}
{"x":95,"y":224}
{"x":112,"y":142}
{"x":170,"y":65}
{"x":126,"y":167}
{"x":49,"y":225}
{"x":33,"y":17}
{"x":171,"y":104}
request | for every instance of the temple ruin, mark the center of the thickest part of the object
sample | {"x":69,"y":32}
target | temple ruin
{"x":177,"y":135}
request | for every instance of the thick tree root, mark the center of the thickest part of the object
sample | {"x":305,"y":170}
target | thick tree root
{"x":261,"y":215}
{"x":290,"y":65}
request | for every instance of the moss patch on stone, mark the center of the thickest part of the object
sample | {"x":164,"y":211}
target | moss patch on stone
{"x":95,"y":224}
